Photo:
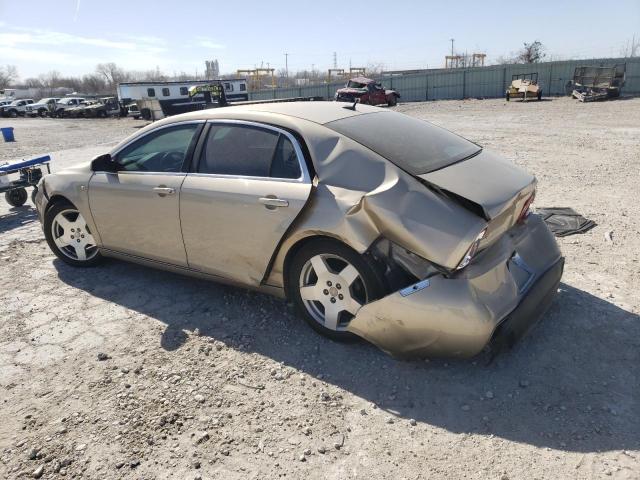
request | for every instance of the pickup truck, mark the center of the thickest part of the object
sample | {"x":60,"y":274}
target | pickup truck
{"x":15,"y":108}
{"x":65,"y":103}
{"x":41,"y":107}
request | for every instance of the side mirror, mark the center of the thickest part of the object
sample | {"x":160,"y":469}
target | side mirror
{"x":104,"y":163}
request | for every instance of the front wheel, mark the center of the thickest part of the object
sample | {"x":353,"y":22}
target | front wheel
{"x":69,"y":236}
{"x":16,"y":197}
{"x":393,"y":101}
{"x":13,"y":113}
{"x":329,"y":282}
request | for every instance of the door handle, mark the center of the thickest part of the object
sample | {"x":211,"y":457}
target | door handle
{"x":162,"y":191}
{"x":272,"y":202}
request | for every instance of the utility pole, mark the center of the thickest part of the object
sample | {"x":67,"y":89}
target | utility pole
{"x":286,"y":64}
{"x":452,"y":40}
{"x":335,"y":60}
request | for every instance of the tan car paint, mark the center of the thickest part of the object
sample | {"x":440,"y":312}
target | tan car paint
{"x":133,"y":218}
{"x":457,"y":316}
{"x":227,"y":231}
{"x":357,"y":197}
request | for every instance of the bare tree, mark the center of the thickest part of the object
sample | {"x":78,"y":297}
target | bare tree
{"x":94,"y":83}
{"x":33,"y":83}
{"x":631,"y":48}
{"x":532,"y":52}
{"x":8,"y":75}
{"x":112,"y":74}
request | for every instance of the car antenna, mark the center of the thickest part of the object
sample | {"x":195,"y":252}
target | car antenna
{"x":352,"y":107}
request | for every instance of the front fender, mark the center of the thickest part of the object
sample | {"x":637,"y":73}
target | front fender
{"x":71,"y":185}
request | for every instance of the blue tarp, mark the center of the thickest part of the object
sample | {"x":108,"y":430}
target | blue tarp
{"x":15,"y":167}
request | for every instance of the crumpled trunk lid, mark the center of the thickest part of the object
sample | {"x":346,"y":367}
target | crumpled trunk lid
{"x":488,"y":185}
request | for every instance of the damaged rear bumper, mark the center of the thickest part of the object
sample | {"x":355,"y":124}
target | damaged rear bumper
{"x":496,"y":299}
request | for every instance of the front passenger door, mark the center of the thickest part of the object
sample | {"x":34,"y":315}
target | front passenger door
{"x":136,"y":210}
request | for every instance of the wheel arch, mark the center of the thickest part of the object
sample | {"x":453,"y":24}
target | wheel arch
{"x":56,"y":199}
{"x":299,"y":244}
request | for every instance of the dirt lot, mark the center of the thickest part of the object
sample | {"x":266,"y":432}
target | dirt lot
{"x":206,"y":381}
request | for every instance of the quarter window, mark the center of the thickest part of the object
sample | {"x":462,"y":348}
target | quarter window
{"x":243,"y":87}
{"x":151,"y":92}
{"x":248,"y":151}
{"x":165,"y":92}
{"x":161,"y":151}
{"x":184,"y":91}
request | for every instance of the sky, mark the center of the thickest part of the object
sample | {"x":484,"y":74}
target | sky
{"x":72,"y":36}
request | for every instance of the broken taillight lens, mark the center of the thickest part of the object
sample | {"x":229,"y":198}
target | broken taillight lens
{"x":473,"y":249}
{"x":526,"y":209}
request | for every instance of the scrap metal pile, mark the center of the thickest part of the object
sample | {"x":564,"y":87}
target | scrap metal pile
{"x":594,"y":83}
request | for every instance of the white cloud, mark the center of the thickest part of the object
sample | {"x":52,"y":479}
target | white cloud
{"x":208,"y":43}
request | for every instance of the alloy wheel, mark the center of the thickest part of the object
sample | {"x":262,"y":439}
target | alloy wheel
{"x":72,"y":236}
{"x":332,"y":290}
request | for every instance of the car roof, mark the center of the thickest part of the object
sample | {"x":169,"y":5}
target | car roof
{"x":320,"y":112}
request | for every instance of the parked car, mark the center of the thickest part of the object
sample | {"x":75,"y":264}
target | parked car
{"x":15,"y":108}
{"x":41,"y":107}
{"x":103,"y":108}
{"x":64,"y":104}
{"x":372,"y":222}
{"x":367,"y":91}
{"x":76,"y":111}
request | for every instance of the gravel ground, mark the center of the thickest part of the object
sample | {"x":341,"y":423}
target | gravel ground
{"x":127,"y":372}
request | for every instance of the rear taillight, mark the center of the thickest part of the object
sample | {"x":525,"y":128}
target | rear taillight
{"x":471,"y":252}
{"x":526,"y":209}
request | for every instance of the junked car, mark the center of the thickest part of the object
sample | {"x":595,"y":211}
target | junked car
{"x":375,"y":224}
{"x":58,"y":110}
{"x":41,"y":107}
{"x":367,"y":91}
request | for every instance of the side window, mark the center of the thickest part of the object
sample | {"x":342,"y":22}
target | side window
{"x":285,"y":162}
{"x":243,"y":87}
{"x":151,"y":92}
{"x":165,"y":92}
{"x":238,"y":150}
{"x":161,"y":151}
{"x":184,"y":91}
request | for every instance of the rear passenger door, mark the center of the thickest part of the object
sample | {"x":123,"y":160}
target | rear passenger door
{"x":249,"y":183}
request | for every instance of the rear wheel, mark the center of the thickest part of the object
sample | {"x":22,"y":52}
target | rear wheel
{"x":507,"y":97}
{"x":16,"y":197}
{"x":329,"y":282}
{"x":393,"y":101}
{"x":69,"y":236}
{"x":540,"y":95}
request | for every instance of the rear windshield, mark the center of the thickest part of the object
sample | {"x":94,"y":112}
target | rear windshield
{"x":413,"y":145}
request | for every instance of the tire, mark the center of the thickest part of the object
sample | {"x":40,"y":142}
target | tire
{"x":393,"y":101}
{"x":42,"y":112}
{"x":326,"y":261}
{"x":59,"y":220}
{"x":507,"y":97}
{"x":13,"y":113}
{"x":16,"y":197}
{"x":34,"y":192}
{"x":540,"y":95}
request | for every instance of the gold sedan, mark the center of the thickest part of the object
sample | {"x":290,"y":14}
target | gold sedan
{"x":373,"y":223}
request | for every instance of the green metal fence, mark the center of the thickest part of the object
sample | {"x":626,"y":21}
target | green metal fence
{"x":481,"y":82}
